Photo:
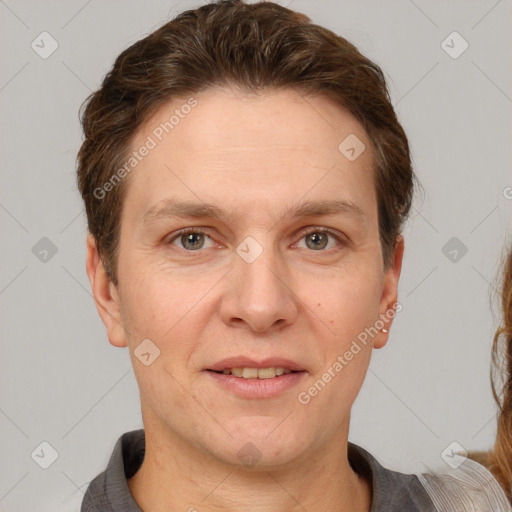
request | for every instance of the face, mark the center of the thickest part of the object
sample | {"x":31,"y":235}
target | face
{"x":282,"y":269}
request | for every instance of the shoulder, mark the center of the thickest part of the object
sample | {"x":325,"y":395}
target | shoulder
{"x":469,"y":487}
{"x":109,"y":490}
{"x":391,"y":490}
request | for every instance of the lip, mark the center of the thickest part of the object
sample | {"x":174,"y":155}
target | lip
{"x":257,"y":388}
{"x":247,"y":362}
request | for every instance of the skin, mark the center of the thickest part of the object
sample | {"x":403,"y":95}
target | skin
{"x":255,"y":157}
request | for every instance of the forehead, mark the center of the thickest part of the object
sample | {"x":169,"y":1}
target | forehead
{"x":271,"y":147}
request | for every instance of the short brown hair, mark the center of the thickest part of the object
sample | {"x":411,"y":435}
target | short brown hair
{"x":254,"y":47}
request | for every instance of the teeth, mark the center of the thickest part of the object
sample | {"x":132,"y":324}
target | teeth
{"x":257,"y":373}
{"x":266,"y":373}
{"x":250,"y":373}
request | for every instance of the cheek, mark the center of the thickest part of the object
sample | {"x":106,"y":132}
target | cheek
{"x":158,"y":304}
{"x":167,"y":311}
{"x":350,"y":302}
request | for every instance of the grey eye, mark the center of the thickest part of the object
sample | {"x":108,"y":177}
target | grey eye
{"x":192,"y":241}
{"x":316,"y":240}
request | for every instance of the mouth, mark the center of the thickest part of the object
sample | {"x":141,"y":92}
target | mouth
{"x":256,"y":373}
{"x":248,"y":378}
{"x":248,"y":368}
{"x":255,"y":387}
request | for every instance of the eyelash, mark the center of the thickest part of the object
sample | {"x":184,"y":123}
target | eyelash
{"x":307,"y":231}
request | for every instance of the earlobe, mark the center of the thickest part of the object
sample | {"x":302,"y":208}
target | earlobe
{"x":105,"y":295}
{"x":389,"y":298}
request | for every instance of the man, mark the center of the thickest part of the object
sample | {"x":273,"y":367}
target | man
{"x":246,"y":181}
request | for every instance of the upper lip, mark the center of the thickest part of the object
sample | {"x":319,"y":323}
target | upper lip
{"x":247,"y":362}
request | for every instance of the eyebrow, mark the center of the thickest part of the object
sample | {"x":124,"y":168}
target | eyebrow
{"x":170,"y":208}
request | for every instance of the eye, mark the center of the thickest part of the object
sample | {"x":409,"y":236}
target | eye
{"x":191,"y":239}
{"x":317,"y":238}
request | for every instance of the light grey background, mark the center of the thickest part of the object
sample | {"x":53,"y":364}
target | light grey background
{"x":63,"y":383}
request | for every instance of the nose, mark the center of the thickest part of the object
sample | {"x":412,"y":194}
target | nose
{"x":259,"y":294}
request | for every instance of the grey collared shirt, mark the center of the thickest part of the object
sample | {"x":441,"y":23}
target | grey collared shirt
{"x":109,"y":491}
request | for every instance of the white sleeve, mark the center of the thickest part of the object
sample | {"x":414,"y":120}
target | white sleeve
{"x":469,"y":488}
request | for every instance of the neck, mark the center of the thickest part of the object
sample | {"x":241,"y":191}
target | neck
{"x":178,"y":476}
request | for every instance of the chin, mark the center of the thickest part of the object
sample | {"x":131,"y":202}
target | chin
{"x":261,"y":448}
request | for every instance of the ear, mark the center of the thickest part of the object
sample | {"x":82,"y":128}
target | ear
{"x":388,"y":302}
{"x":105,"y":295}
